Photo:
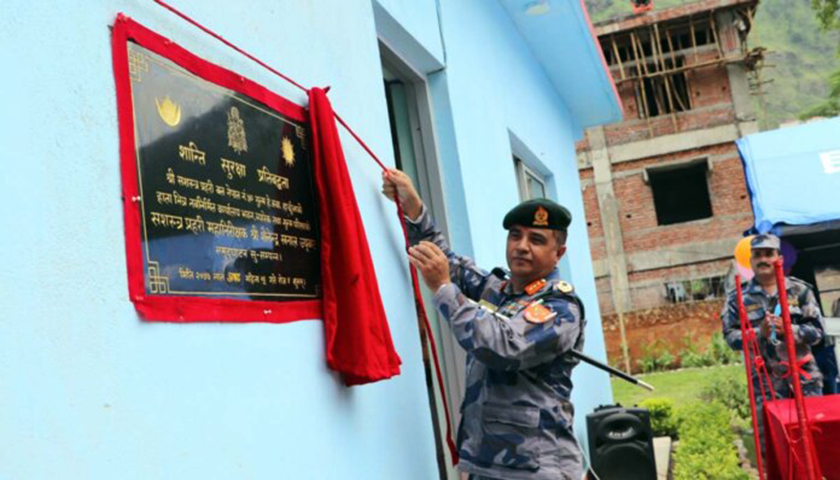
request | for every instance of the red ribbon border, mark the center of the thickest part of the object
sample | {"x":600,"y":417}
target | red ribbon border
{"x":186,"y":309}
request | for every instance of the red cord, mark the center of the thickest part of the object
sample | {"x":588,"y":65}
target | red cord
{"x":746,"y":344}
{"x":811,"y":463}
{"x":421,"y":312}
{"x":418,"y":299}
{"x":219,"y":38}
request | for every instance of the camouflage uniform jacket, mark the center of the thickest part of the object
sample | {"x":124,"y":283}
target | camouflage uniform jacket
{"x":807,"y":323}
{"x":516,"y":417}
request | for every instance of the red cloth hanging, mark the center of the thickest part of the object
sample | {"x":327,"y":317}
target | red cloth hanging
{"x":358,"y":339}
{"x":783,"y":437}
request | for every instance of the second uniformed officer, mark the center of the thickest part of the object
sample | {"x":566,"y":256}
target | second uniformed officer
{"x":761,"y":300}
{"x":516,"y":415}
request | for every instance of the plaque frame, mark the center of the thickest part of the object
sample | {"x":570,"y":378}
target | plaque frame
{"x":184,"y":308}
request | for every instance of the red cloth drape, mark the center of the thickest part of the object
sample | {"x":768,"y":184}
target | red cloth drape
{"x":781,"y":426}
{"x":358,"y":339}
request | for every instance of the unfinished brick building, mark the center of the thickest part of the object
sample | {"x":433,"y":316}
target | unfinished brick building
{"x":664,"y":190}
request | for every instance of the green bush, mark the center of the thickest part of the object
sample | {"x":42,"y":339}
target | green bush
{"x":662,"y":418}
{"x":723,"y":354}
{"x":691,"y":358}
{"x":731,"y":392}
{"x":706,"y":450}
{"x":666,"y":360}
{"x":655,"y":357}
{"x":716,"y":353}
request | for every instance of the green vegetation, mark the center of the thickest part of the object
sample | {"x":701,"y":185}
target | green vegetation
{"x":691,"y":357}
{"x":732,"y":393}
{"x":828,"y":16}
{"x":828,"y":13}
{"x":803,"y":56}
{"x":700,"y":406}
{"x":683,"y":387}
{"x":663,"y":420}
{"x":705,"y":450}
{"x":656,"y":357}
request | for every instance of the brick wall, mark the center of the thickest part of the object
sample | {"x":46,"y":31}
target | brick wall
{"x":670,"y":326}
{"x":712,"y":105}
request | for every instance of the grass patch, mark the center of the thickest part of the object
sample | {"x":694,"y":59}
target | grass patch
{"x":682,"y":386}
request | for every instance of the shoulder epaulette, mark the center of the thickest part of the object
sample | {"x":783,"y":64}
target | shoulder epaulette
{"x":564,"y":287}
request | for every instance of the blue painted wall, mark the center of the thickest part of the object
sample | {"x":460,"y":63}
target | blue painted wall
{"x":87,"y":390}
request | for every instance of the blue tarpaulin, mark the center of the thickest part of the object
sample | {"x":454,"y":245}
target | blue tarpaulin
{"x":793,"y":174}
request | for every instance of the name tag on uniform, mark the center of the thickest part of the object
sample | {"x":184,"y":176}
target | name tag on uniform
{"x":487,"y":305}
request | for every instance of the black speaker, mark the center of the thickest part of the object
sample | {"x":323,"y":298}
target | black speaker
{"x":621,"y":443}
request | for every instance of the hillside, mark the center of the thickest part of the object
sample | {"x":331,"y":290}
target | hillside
{"x":802,"y":56}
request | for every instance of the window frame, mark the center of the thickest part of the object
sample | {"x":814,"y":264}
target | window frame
{"x":523,"y":171}
{"x":673,"y":167}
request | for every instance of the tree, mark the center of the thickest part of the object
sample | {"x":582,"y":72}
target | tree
{"x":828,"y":15}
{"x":831,"y":106}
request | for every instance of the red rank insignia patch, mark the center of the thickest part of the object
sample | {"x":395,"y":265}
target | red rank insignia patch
{"x":535,"y":286}
{"x":538,"y":313}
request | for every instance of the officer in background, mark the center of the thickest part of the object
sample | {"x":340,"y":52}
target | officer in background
{"x":517,"y":417}
{"x":761,"y":300}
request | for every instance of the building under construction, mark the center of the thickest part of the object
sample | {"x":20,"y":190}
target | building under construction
{"x":664,"y":190}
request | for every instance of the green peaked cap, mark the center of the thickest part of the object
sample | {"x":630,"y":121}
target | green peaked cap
{"x":538,"y":213}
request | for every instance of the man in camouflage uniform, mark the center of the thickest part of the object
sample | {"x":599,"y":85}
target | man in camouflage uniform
{"x":761,"y":300}
{"x":517,"y":418}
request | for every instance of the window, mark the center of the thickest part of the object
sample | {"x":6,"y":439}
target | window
{"x":680,"y":193}
{"x":531,"y":183}
{"x":696,"y":290}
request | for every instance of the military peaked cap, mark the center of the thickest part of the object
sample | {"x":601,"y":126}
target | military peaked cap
{"x":766,"y":240}
{"x":538,"y":213}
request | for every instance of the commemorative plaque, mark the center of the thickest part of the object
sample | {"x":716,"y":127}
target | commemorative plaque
{"x":226,"y":194}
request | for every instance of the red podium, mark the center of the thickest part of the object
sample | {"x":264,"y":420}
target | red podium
{"x":781,"y":427}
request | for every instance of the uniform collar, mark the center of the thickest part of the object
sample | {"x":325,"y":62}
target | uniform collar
{"x":755,"y":287}
{"x":549,"y":279}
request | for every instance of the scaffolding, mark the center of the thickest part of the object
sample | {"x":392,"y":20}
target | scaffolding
{"x":654,"y":58}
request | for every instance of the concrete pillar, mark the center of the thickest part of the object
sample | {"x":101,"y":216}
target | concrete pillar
{"x":732,"y":39}
{"x":614,"y":240}
{"x":608,"y":206}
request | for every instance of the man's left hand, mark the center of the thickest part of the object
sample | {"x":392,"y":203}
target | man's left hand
{"x":771,"y":320}
{"x":432,"y":263}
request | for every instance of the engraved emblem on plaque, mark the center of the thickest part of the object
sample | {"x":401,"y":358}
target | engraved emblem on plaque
{"x":169,"y":111}
{"x":288,"y":152}
{"x":236,"y":131}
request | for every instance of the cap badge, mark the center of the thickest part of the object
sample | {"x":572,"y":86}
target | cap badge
{"x":541,"y":217}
